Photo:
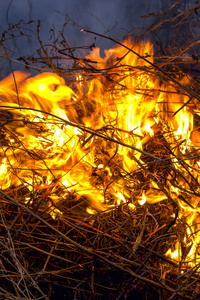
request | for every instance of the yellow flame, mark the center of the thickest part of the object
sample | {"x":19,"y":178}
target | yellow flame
{"x":47,"y":146}
{"x":143,"y":199}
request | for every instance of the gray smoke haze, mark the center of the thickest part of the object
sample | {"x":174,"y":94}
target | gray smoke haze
{"x":115,"y":18}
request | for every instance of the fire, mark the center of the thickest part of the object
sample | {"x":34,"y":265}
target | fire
{"x":111,"y":139}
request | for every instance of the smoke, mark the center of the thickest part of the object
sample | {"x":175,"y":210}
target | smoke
{"x":116,"y":18}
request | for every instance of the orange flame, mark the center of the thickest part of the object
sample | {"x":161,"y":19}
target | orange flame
{"x":71,"y":142}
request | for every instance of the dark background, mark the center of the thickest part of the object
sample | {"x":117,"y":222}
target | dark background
{"x":116,"y":18}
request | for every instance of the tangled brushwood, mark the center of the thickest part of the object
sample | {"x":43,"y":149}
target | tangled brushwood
{"x":99,"y":180}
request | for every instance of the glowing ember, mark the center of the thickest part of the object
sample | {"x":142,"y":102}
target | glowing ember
{"x":71,"y":144}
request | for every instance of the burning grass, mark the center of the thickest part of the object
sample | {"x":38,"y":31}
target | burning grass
{"x":100,"y":180}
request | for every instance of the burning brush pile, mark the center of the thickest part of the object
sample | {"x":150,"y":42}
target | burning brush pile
{"x":99,"y":181}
